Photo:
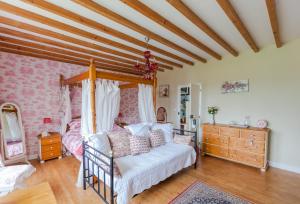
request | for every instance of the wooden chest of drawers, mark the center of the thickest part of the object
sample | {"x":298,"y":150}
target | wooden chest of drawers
{"x":50,"y":147}
{"x":244,"y":145}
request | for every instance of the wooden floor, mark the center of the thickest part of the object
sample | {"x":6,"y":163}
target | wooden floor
{"x":274,"y":186}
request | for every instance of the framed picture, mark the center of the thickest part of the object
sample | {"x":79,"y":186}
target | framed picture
{"x":235,"y":86}
{"x":164,"y":90}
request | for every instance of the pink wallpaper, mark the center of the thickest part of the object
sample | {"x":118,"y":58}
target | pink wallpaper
{"x":33,"y":84}
{"x":129,"y":105}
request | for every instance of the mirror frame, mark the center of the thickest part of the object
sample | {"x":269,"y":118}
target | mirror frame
{"x":20,"y":157}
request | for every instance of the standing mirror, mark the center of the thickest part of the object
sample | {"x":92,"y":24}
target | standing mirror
{"x":13,"y":148}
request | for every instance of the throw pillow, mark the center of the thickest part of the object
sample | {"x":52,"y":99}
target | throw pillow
{"x":120,"y":145}
{"x":157,"y":138}
{"x":167,"y":128}
{"x":182,"y":139}
{"x":140,"y":129}
{"x":139,"y":144}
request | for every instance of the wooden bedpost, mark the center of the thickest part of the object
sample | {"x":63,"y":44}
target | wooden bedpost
{"x":92,"y":78}
{"x":61,"y":80}
{"x":154,"y":91}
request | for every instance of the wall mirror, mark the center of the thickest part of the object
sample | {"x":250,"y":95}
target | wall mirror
{"x":13,"y":148}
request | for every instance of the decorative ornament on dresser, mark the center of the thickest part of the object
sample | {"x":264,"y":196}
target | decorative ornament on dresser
{"x":262,"y":124}
{"x":213,"y":110}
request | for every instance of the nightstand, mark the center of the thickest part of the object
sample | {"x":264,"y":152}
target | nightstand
{"x":50,"y":147}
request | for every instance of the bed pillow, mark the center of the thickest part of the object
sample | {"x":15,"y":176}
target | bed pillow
{"x":75,"y":124}
{"x":119,"y":142}
{"x":140,"y":129}
{"x":167,"y":128}
{"x":100,"y":142}
{"x":139,"y":144}
{"x":157,"y":138}
{"x":181,"y":139}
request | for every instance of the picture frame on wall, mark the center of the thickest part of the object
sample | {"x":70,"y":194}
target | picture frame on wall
{"x":235,"y":86}
{"x":164,"y":90}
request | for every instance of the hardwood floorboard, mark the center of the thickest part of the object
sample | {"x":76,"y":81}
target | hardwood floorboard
{"x":273,"y":186}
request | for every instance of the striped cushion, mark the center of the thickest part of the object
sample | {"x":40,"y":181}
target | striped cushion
{"x":182,"y":139}
{"x":157,"y":138}
{"x":139,"y":144}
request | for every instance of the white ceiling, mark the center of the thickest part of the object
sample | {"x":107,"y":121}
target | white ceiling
{"x":252,"y":12}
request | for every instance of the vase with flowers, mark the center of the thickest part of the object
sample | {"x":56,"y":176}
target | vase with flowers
{"x":213,"y":110}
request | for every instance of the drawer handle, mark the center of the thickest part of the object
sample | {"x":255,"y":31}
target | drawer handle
{"x":51,"y":147}
{"x":50,"y":140}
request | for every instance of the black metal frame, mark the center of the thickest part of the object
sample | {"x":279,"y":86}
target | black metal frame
{"x":91,"y":159}
{"x":183,"y":132}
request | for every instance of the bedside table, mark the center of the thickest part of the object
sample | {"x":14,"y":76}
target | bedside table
{"x":50,"y":147}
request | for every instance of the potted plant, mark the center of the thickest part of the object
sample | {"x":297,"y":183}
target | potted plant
{"x":213,"y":110}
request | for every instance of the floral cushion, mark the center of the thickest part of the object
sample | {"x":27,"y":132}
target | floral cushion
{"x":182,"y":139}
{"x":75,"y":124}
{"x":139,"y":144}
{"x":157,"y":138}
{"x":119,"y":142}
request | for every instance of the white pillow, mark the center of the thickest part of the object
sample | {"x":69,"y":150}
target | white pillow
{"x":167,"y":128}
{"x":140,"y":129}
{"x":100,"y":142}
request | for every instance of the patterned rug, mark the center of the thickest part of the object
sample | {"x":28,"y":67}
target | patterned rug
{"x":200,"y":193}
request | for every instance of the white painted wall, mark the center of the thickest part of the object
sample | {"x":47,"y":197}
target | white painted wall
{"x":274,"y":76}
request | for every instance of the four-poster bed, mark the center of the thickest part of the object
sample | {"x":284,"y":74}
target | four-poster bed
{"x":138,"y":172}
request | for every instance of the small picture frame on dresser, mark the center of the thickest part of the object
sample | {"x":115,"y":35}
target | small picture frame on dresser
{"x":50,"y":147}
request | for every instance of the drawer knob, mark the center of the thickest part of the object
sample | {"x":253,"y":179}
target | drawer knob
{"x":51,"y":147}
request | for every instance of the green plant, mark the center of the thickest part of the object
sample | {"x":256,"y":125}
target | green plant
{"x":213,"y":110}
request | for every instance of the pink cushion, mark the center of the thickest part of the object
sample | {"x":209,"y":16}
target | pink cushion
{"x":75,"y":124}
{"x":182,"y":139}
{"x":119,"y":142}
{"x":139,"y":144}
{"x":157,"y":138}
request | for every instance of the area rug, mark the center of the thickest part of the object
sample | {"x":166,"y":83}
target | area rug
{"x":201,"y":193}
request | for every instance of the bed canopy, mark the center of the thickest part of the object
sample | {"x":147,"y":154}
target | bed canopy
{"x":101,"y":95}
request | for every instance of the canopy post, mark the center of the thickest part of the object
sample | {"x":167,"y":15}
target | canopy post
{"x":92,"y":78}
{"x":61,"y":80}
{"x":154,"y":91}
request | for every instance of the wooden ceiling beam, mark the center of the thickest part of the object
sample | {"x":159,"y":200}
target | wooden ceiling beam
{"x":125,"y":22}
{"x":65,"y":57}
{"x":235,"y":19}
{"x":101,"y":27}
{"x":271,"y":7}
{"x":29,"y":54}
{"x":62,"y":26}
{"x":149,"y":13}
{"x":45,"y":32}
{"x":99,"y":61}
{"x":189,"y":14}
{"x":57,"y":50}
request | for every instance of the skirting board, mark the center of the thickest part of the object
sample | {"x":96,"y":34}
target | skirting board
{"x":284,"y":167}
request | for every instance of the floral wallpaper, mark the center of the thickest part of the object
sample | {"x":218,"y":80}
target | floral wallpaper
{"x":129,"y":105}
{"x":33,"y":84}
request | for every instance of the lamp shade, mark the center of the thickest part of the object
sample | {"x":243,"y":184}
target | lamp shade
{"x":47,"y":120}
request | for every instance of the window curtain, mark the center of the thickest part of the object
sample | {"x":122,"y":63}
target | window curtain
{"x":146,"y":107}
{"x":86,"y":114}
{"x":67,"y":117}
{"x":107,"y":104}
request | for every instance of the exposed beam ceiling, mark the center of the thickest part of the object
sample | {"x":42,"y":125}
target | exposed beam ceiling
{"x":103,"y":28}
{"x":69,"y":39}
{"x":65,"y":27}
{"x":271,"y":6}
{"x":235,"y":19}
{"x":123,"y":21}
{"x":148,"y":12}
{"x":189,"y":14}
{"x":21,"y":51}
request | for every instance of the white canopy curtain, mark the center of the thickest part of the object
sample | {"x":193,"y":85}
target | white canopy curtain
{"x":107,"y":104}
{"x":67,"y":109}
{"x":146,"y":107}
{"x":86,"y":113}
